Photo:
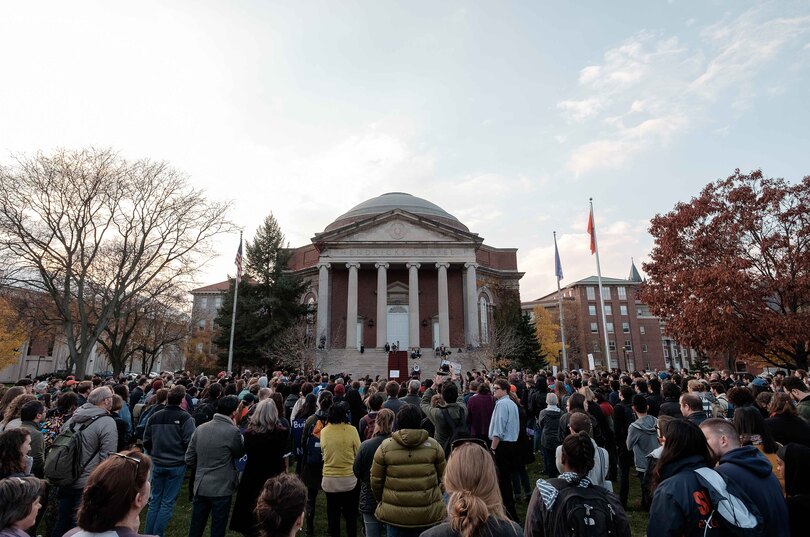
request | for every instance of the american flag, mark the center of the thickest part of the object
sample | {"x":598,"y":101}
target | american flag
{"x":238,"y":262}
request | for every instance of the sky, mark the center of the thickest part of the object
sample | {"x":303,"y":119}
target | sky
{"x":509,"y":115}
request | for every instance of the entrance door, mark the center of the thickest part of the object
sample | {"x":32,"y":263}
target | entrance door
{"x":398,"y":327}
{"x":359,"y":336}
{"x":436,"y":335}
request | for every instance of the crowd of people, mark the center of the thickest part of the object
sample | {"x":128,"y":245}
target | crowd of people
{"x":714,"y":454}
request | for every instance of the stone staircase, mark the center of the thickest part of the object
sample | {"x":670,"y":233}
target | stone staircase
{"x":374,"y":362}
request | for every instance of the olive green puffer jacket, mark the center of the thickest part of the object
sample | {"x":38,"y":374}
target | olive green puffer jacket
{"x":405,"y":477}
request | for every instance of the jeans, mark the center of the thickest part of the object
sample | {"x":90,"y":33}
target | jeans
{"x":166,"y":484}
{"x":346,"y":503}
{"x":69,"y":499}
{"x":538,"y":434}
{"x":521,"y":477}
{"x":219,"y":507}
{"x":373,"y":526}
{"x":396,"y":531}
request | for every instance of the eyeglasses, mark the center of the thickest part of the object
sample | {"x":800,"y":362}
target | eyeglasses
{"x":133,"y":459}
{"x":462,"y":441}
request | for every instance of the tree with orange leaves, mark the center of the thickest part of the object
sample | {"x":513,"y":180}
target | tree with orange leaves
{"x":730,"y":270}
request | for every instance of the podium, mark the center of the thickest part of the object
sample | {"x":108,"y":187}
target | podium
{"x":398,"y":361}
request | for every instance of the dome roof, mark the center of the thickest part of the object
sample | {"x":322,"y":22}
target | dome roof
{"x":396,"y":200}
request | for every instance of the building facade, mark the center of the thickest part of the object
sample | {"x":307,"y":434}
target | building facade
{"x":637,"y":339}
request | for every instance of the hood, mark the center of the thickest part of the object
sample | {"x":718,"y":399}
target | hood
{"x":750,"y":458}
{"x":410,"y":437}
{"x":693,"y":462}
{"x":88,"y":411}
{"x":797,"y":471}
{"x":646,"y":424}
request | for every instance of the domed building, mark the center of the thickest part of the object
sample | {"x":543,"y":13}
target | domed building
{"x":400,"y":270}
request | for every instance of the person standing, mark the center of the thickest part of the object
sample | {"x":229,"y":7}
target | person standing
{"x":31,"y":415}
{"x":383,"y":425}
{"x":642,"y":439}
{"x":166,"y":438}
{"x":99,"y":439}
{"x":503,"y":434}
{"x":406,"y":476}
{"x":339,"y":444}
{"x":213,"y":450}
{"x":479,"y":412}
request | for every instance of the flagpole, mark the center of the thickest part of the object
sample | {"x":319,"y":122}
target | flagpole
{"x":599,"y":280}
{"x":233,"y":315}
{"x":558,"y":271}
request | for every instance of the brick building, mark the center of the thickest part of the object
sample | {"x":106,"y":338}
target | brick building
{"x":637,"y":339}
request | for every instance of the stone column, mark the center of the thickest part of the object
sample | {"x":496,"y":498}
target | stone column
{"x":413,"y":304}
{"x":382,"y":304}
{"x":323,"y":305}
{"x":351,"y":307}
{"x":471,"y":304}
{"x":444,"y":305}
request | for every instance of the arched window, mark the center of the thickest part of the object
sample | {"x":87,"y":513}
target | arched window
{"x":483,"y":318}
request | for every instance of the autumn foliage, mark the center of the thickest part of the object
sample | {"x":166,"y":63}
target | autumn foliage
{"x":730,"y":270}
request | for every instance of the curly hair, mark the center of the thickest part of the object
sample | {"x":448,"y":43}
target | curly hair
{"x":281,"y":504}
{"x":781,"y":403}
{"x":12,"y":411}
{"x":12,"y":459}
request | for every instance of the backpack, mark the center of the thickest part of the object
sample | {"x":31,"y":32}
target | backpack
{"x":717,"y":411}
{"x":581,"y":512}
{"x":370,"y":421}
{"x":204,"y":413}
{"x":458,"y":428}
{"x":143,"y":419}
{"x":739,"y":514}
{"x":63,"y":464}
{"x":314,"y":453}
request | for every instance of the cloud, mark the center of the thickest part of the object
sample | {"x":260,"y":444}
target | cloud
{"x":581,"y":110}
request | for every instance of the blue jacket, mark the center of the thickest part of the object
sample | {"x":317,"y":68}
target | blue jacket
{"x":752,"y":472}
{"x":680,"y":505}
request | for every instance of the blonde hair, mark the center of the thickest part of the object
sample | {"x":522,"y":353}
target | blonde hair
{"x":472,"y":483}
{"x":588,"y":393}
{"x":264,"y":417}
{"x":384,"y":422}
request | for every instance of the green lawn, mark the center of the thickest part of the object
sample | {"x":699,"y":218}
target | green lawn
{"x":178,"y":527}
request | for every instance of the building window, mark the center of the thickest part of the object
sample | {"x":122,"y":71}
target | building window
{"x":483,"y":317}
{"x":201,"y":325}
{"x":643,"y":347}
{"x":642,"y":330}
{"x":608,"y":309}
{"x":610,"y":328}
{"x":626,"y":328}
{"x":623,"y":309}
{"x":594,"y":328}
{"x":199,"y":348}
{"x":591,"y":309}
{"x":628,"y":345}
{"x":612,"y":346}
{"x":204,"y":302}
{"x":622,"y":293}
{"x":666,"y":353}
{"x":218,"y":302}
{"x":590,"y":293}
{"x":606,"y":293}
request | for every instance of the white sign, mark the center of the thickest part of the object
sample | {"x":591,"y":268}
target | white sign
{"x":554,"y":370}
{"x":394,"y":374}
{"x":456,"y":368}
{"x":591,"y":364}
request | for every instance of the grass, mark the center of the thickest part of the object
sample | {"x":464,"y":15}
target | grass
{"x":181,"y":519}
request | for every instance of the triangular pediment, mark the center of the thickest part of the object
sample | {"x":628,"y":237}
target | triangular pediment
{"x":396,"y":226}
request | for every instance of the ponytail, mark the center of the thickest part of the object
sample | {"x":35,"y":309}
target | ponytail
{"x":467,"y":513}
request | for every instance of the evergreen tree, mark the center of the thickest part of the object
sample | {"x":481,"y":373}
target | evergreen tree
{"x":700,"y":364}
{"x":269,"y":300}
{"x":528,"y":353}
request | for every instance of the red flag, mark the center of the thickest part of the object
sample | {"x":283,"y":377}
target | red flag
{"x":591,"y":232}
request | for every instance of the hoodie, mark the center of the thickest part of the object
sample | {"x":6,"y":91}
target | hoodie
{"x":752,"y":472}
{"x":680,"y":504}
{"x":641,"y":440}
{"x":797,"y":486}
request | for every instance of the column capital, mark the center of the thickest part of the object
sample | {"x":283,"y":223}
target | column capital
{"x":324,"y":264}
{"x":381,"y":264}
{"x":442,"y":265}
{"x":413,"y":264}
{"x":471,"y":265}
{"x":352,"y":265}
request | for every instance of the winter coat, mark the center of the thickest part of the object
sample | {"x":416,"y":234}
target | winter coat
{"x":675,"y":511}
{"x":265,"y":459}
{"x":698,"y":417}
{"x":642,"y":439}
{"x":786,"y":429}
{"x":797,"y":487}
{"x":362,"y":471}
{"x":405,"y":478}
{"x":803,"y":408}
{"x":549,"y":420}
{"x":98,"y":440}
{"x":444,"y":430}
{"x":751,"y":471}
{"x":670,"y":407}
{"x":214,"y":448}
{"x":167,"y":436}
{"x":494,"y":526}
{"x":479,"y":413}
{"x":623,"y":416}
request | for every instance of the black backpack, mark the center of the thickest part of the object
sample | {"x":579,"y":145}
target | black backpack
{"x":459,"y":429}
{"x":581,"y":512}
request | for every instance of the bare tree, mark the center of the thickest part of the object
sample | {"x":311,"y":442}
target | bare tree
{"x":497,"y":353}
{"x":91,"y":229}
{"x":295,"y":347}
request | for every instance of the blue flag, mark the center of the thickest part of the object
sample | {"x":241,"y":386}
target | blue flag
{"x":557,"y":265}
